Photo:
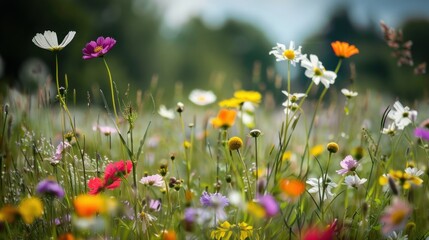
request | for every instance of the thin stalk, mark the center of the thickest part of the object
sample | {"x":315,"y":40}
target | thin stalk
{"x":111,"y":88}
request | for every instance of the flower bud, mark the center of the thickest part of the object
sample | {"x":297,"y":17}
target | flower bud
{"x":332,"y":147}
{"x":235,"y":143}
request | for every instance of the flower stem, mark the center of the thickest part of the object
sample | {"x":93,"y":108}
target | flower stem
{"x":111,"y":88}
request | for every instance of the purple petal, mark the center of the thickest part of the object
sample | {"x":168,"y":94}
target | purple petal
{"x":422,"y":133}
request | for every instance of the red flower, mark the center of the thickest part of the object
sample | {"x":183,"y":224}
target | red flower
{"x":95,"y":185}
{"x":112,"y":176}
{"x":317,"y":234}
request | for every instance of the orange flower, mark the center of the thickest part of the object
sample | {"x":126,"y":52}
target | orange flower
{"x":292,"y":187}
{"x":225,"y":118}
{"x":343,"y":49}
{"x":169,"y":235}
{"x":88,"y":205}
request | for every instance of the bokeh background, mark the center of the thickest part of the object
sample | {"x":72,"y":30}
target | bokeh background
{"x":221,"y":45}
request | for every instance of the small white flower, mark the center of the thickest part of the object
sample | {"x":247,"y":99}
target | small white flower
{"x":354,"y":181}
{"x":348,"y":93}
{"x":294,"y":97}
{"x":166,"y":113}
{"x":317,"y":72}
{"x":317,"y":186}
{"x":413,"y":171}
{"x":290,"y":54}
{"x":202,"y":97}
{"x":290,"y":105}
{"x":49,"y":40}
{"x":390,"y":130}
{"x":402,"y":116}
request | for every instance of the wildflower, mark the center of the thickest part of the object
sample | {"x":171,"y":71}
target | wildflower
{"x":317,"y":234}
{"x":8,"y":213}
{"x":166,"y":113}
{"x":168,"y":235}
{"x":106,"y":130}
{"x":217,"y":202}
{"x":180,"y":107}
{"x":155,"y":205}
{"x":317,"y":150}
{"x":422,"y":133}
{"x":223,"y":232}
{"x":287,"y":156}
{"x":201,"y":97}
{"x":153,"y":180}
{"x":321,"y":186}
{"x":89,"y":205}
{"x":50,"y":188}
{"x":248,"y":96}
{"x":255,"y":133}
{"x":246,"y":231}
{"x":225,"y":118}
{"x":413,"y":171}
{"x":62,"y":146}
{"x":404,"y":179}
{"x":349,"y":94}
{"x":30,"y":208}
{"x":348,"y":165}
{"x":66,"y":236}
{"x":291,"y":54}
{"x":115,"y":172}
{"x":402,"y":116}
{"x":395,"y":216}
{"x":354,"y":181}
{"x":317,"y":72}
{"x":344,"y":49}
{"x":98,"y":48}
{"x":294,"y":97}
{"x":235,"y":143}
{"x":196,"y":215}
{"x":146,"y":220}
{"x":390,"y":130}
{"x":230,"y":103}
{"x":96,"y":185}
{"x":269,"y":205}
{"x":290,"y":106}
{"x":292,"y":188}
{"x":49,"y":40}
{"x":332,"y":147}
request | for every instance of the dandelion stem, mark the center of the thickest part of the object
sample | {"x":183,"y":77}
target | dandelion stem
{"x":111,"y":88}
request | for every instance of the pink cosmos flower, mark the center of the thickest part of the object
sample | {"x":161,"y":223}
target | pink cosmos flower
{"x":106,"y":130}
{"x":59,"y":152}
{"x":153,"y":180}
{"x":98,"y":48}
{"x":348,"y":165}
{"x":395,"y":216}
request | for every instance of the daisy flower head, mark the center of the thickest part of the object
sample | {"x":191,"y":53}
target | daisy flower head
{"x":317,"y":72}
{"x":320,"y":184}
{"x":153,"y":180}
{"x":202,"y":97}
{"x":344,"y":49}
{"x":395,"y":216}
{"x":294,"y":97}
{"x":354,"y":181}
{"x":49,"y":41}
{"x":348,"y":165}
{"x":98,"y":48}
{"x":348,"y":93}
{"x":287,"y":54}
{"x":390,"y":130}
{"x":166,"y":113}
{"x":402,"y":116}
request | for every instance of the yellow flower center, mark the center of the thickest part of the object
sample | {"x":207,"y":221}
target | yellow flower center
{"x":318,"y":71}
{"x":201,"y":98}
{"x":398,"y":216}
{"x":289,"y":54}
{"x":98,"y":49}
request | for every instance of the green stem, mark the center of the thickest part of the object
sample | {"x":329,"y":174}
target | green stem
{"x":256,"y":164}
{"x":56,"y":75}
{"x":111,"y":88}
{"x":288,"y":77}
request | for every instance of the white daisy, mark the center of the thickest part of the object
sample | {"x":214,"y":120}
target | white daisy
{"x":354,"y":181}
{"x":49,"y":41}
{"x":166,"y":113}
{"x":390,"y":130}
{"x":402,"y":116}
{"x":317,"y":72}
{"x":291,"y":54}
{"x":294,"y":97}
{"x":317,"y":186}
{"x":202,"y":97}
{"x":348,"y":93}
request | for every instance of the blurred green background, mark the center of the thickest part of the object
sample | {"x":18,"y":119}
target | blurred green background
{"x":210,"y":45}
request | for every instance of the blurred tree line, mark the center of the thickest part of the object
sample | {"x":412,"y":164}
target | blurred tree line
{"x":234,"y":55}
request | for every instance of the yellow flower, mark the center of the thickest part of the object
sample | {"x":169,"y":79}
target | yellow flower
{"x":230,"y":103}
{"x":256,"y":209}
{"x":8,"y":213}
{"x":317,"y":150}
{"x":404,"y":179}
{"x":246,"y":231}
{"x":223,"y":231}
{"x":248,"y":96}
{"x":88,"y":205}
{"x":235,"y":143}
{"x":287,"y":156}
{"x":30,"y":208}
{"x":187,"y":144}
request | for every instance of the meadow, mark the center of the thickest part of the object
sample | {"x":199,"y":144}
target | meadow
{"x":326,"y":163}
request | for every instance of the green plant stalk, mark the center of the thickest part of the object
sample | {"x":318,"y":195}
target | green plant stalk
{"x":56,"y":75}
{"x":256,"y":165}
{"x":247,"y":174}
{"x":111,"y":89}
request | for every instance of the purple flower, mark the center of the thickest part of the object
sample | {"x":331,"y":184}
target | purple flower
{"x":213,"y":200}
{"x":62,"y":146}
{"x":422,"y":133}
{"x":348,"y":165}
{"x":269,"y":204}
{"x":51,"y":188}
{"x":155,"y":205}
{"x":98,"y":48}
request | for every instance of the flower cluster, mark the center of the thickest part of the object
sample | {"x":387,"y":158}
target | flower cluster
{"x":113,"y":175}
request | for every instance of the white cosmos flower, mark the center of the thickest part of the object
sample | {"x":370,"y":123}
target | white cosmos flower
{"x":317,"y":186}
{"x":294,"y":97}
{"x":291,"y":54}
{"x":402,"y":116}
{"x":413,"y":171}
{"x":390,"y":130}
{"x":354,"y":181}
{"x":348,"y":93}
{"x":166,"y":113}
{"x":202,"y":97}
{"x":317,"y":72}
{"x":49,"y":41}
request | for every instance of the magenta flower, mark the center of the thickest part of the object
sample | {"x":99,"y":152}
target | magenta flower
{"x":422,"y":133}
{"x":98,"y":48}
{"x":269,"y":204}
{"x":348,"y":165}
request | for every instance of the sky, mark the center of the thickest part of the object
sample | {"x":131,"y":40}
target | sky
{"x":286,"y":20}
